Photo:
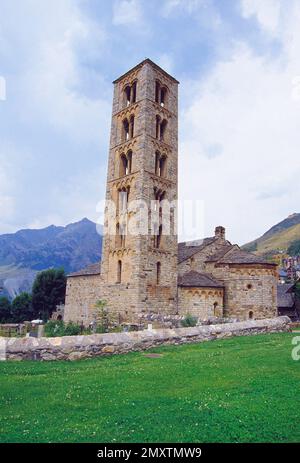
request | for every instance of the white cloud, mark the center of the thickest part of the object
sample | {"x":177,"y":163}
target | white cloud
{"x":189,"y":6}
{"x":267,"y":12}
{"x":246,"y":109}
{"x":127,"y":12}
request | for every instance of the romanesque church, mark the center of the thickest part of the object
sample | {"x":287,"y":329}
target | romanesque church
{"x":149,"y":272}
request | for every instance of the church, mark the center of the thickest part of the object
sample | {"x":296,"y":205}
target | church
{"x":143,"y":269}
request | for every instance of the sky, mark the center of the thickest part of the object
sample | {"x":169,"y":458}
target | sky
{"x":239,"y":124}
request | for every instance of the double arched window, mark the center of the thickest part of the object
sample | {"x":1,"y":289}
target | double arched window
{"x":130,"y":94}
{"x":160,"y":94}
{"x":120,"y":235}
{"x":161,"y":125}
{"x":128,"y":128}
{"x":125,"y":163}
{"x":123,"y":198}
{"x":160,"y":164}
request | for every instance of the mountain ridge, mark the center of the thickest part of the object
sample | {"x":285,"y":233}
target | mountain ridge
{"x":27,"y":251}
{"x":277,"y":239}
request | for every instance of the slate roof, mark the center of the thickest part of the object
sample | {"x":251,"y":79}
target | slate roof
{"x":189,"y":248}
{"x":93,"y":269}
{"x":196,"y":279}
{"x":238,"y":256}
{"x":221,"y":253}
{"x":285,"y":298}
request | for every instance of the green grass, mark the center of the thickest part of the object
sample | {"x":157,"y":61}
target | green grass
{"x":236,"y":390}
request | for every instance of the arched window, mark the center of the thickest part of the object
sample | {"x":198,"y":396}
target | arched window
{"x":127,"y":95}
{"x":160,"y":164}
{"x":158,"y":272}
{"x":130,"y":94}
{"x":163,"y":127}
{"x":251,"y":315}
{"x":125,"y":130}
{"x":157,"y":130}
{"x":129,"y":162}
{"x":123,"y":199}
{"x":118,"y":237}
{"x":215,"y":308}
{"x":119,"y":272}
{"x":123,"y":165}
{"x":157,"y":91}
{"x":157,"y":162}
{"x":133,"y":92}
{"x":131,"y":127}
{"x":159,"y":237}
{"x":163,"y":93}
{"x":160,"y":94}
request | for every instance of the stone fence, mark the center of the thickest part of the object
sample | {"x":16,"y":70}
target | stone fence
{"x":86,"y":346}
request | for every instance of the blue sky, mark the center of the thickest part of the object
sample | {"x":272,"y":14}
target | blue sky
{"x":239,"y":69}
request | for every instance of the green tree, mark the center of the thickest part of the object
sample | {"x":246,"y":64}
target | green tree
{"x":21,"y":308}
{"x":48,"y":291}
{"x":5,"y":310}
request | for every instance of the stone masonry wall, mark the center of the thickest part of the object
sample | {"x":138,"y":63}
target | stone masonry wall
{"x":81,"y":295}
{"x":79,"y":347}
{"x":248,"y":290}
{"x":201,"y":302}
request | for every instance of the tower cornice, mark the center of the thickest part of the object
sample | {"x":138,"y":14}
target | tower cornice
{"x":140,"y":65}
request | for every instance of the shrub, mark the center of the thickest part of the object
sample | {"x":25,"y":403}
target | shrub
{"x":55,"y":328}
{"x":189,"y":320}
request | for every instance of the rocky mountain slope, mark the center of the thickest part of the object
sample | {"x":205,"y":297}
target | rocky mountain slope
{"x":278,"y":239}
{"x":24,"y":253}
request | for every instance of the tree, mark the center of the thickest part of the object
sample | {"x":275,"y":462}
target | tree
{"x":48,"y":291}
{"x":5,"y":310}
{"x":21,"y":308}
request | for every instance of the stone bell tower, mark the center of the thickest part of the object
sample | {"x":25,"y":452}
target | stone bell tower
{"x":139,"y":256}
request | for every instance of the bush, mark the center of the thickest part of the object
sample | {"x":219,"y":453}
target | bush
{"x":55,"y":328}
{"x":188,"y":321}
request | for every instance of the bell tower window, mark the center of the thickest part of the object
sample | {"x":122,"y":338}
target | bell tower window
{"x":127,"y":94}
{"x":125,"y":164}
{"x":125,"y":130}
{"x":133,"y":92}
{"x":160,"y":94}
{"x":163,"y":127}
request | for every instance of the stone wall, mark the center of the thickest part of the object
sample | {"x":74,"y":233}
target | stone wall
{"x":81,"y":295}
{"x":78,"y":347}
{"x":201,"y":302}
{"x":250,"y":291}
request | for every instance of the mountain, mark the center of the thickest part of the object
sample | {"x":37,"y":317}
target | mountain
{"x":280,"y":239}
{"x":24,"y":253}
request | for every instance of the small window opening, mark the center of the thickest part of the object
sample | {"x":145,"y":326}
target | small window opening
{"x":119,"y":272}
{"x":158,"y":272}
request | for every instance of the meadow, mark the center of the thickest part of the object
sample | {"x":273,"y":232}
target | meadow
{"x":243,"y":389}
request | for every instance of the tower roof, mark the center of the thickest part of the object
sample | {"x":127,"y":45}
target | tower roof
{"x":149,"y":61}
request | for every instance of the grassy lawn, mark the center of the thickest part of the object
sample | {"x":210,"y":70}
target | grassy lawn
{"x":243,"y":389}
